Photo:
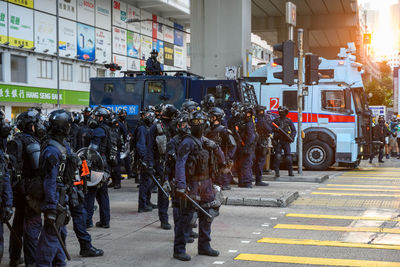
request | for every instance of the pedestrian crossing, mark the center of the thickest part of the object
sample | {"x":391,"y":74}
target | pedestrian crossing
{"x":366,"y":231}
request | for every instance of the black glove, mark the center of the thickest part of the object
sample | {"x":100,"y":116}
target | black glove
{"x":8,"y":213}
{"x":149,"y":170}
{"x":50,"y":216}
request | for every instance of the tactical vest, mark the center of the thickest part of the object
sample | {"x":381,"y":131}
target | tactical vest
{"x":161,"y":138}
{"x":197,"y":163}
{"x":285,"y":126}
{"x":3,"y":170}
{"x":84,"y":136}
{"x":109,"y":145}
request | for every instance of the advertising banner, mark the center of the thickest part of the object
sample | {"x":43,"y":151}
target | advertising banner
{"x":178,"y":34}
{"x":67,"y":35}
{"x":133,"y":64}
{"x":146,"y":47}
{"x":48,"y":6}
{"x":119,"y":41}
{"x":103,"y":46}
{"x":169,"y":32}
{"x":146,"y":26}
{"x":160,"y":28}
{"x":45,"y":32}
{"x":67,"y":9}
{"x":142,"y":65}
{"x":159,"y":46}
{"x":3,"y":22}
{"x":86,"y":11}
{"x":85,"y":42}
{"x":27,"y":94}
{"x":121,"y":61}
{"x":103,"y":14}
{"x":179,"y":59}
{"x":119,"y":13}
{"x":20,"y":29}
{"x":133,"y":13}
{"x":25,"y":3}
{"x":168,"y":54}
{"x":133,"y":44}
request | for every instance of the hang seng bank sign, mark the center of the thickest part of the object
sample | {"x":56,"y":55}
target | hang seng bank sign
{"x":26,"y":94}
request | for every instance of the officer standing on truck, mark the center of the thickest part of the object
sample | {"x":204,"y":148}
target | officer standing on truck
{"x":153,"y":66}
{"x":264,"y":130}
{"x":284,"y":134}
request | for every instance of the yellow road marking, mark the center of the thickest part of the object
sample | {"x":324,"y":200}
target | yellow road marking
{"x":338,"y":228}
{"x":314,"y":261}
{"x":310,"y":242}
{"x":359,"y":189}
{"x":364,"y":185}
{"x":354,"y":194}
{"x":342,"y":217}
{"x":367,"y":177}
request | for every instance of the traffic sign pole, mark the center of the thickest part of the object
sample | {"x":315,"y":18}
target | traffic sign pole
{"x":300,"y":103}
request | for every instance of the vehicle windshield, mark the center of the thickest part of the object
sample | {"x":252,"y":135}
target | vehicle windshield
{"x":360,"y":99}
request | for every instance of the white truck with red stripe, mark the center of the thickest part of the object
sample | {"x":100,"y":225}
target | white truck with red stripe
{"x":336,"y":117}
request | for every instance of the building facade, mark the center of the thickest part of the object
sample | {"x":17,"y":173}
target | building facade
{"x":89,"y":34}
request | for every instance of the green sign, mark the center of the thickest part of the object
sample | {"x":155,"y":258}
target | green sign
{"x":26,"y":94}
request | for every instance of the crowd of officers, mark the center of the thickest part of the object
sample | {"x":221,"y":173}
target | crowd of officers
{"x":189,"y":155}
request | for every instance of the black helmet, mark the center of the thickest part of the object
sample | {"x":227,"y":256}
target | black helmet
{"x":122,"y":114}
{"x":60,"y":122}
{"x":77,"y":117}
{"x":101,"y":112}
{"x":283,"y":111}
{"x":157,"y":109}
{"x":247,"y":108}
{"x":197,"y":122}
{"x":208,"y":100}
{"x":182,"y":123}
{"x":260,"y":108}
{"x":26,"y":120}
{"x":189,"y":105}
{"x":148,"y":116}
{"x":169,"y":111}
{"x":5,"y":126}
{"x":216,"y":112}
{"x":87,"y":110}
{"x":154,"y":52}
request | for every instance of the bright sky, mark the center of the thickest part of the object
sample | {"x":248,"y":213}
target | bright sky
{"x":385,"y":37}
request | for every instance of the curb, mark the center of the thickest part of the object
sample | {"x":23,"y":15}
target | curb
{"x":302,"y":179}
{"x":283,"y":201}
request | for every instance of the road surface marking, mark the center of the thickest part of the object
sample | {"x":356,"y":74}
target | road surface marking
{"x":338,"y":228}
{"x":273,"y":218}
{"x":245,"y":241}
{"x":314,"y":261}
{"x":218,"y":262}
{"x":375,"y":178}
{"x":354,"y":194}
{"x":265,"y":225}
{"x":256,"y":233}
{"x":342,"y":217}
{"x":232,"y":251}
{"x":344,"y":202}
{"x":359,"y":189}
{"x":309,"y":242}
{"x":364,"y":185}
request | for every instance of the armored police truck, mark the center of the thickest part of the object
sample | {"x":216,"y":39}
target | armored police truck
{"x":336,"y":118}
{"x":136,"y":90}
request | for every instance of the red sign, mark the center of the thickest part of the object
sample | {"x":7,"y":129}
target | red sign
{"x":274,"y":103}
{"x":155,"y":27}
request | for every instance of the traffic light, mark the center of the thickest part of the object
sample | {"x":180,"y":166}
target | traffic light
{"x":112,"y":66}
{"x":286,"y":61}
{"x":312,"y":69}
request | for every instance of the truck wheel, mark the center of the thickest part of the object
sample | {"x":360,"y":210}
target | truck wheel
{"x":318,"y":156}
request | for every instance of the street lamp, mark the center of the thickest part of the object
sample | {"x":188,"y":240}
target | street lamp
{"x":141,"y":20}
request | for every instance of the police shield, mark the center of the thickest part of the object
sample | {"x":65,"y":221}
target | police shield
{"x":92,"y":169}
{"x":126,"y":148}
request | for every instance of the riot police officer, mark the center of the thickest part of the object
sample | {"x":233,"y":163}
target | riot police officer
{"x":193,"y":178}
{"x":6,"y":198}
{"x":24,"y":152}
{"x":116,"y":139}
{"x":54,"y":205}
{"x":223,"y":137}
{"x":379,"y":133}
{"x":125,"y":135}
{"x":153,"y":66}
{"x":85,"y":130}
{"x":73,"y":135}
{"x":189,"y":105}
{"x":246,"y":146}
{"x":284,"y":134}
{"x":101,"y":143}
{"x":208,"y":102}
{"x":264,"y":130}
{"x":143,"y":155}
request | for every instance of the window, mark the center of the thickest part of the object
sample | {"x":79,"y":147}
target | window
{"x":154,"y":87}
{"x":108,"y":88}
{"x":223,"y":94}
{"x":289,"y":99}
{"x":44,"y":69}
{"x":66,"y":72}
{"x":85,"y":74}
{"x":333,"y":101}
{"x":130,"y":87}
{"x":101,"y":73}
{"x":18,"y":69}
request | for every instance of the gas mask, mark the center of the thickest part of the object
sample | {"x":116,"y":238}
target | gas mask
{"x":5,"y":129}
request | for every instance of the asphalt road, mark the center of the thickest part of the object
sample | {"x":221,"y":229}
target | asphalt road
{"x":349,"y":220}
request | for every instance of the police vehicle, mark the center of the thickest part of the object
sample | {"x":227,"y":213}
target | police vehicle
{"x":336,"y":117}
{"x":136,"y":90}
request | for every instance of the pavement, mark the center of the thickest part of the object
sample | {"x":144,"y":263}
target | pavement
{"x":350,"y":219}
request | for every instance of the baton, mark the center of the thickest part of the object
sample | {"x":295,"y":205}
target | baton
{"x":283,"y":132}
{"x":197,"y":206}
{"x":13,"y":232}
{"x":159,"y":185}
{"x":61,"y":241}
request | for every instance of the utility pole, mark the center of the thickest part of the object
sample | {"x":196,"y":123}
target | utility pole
{"x":300,"y":102}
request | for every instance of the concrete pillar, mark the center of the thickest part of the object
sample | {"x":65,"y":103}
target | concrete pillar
{"x":220,"y":35}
